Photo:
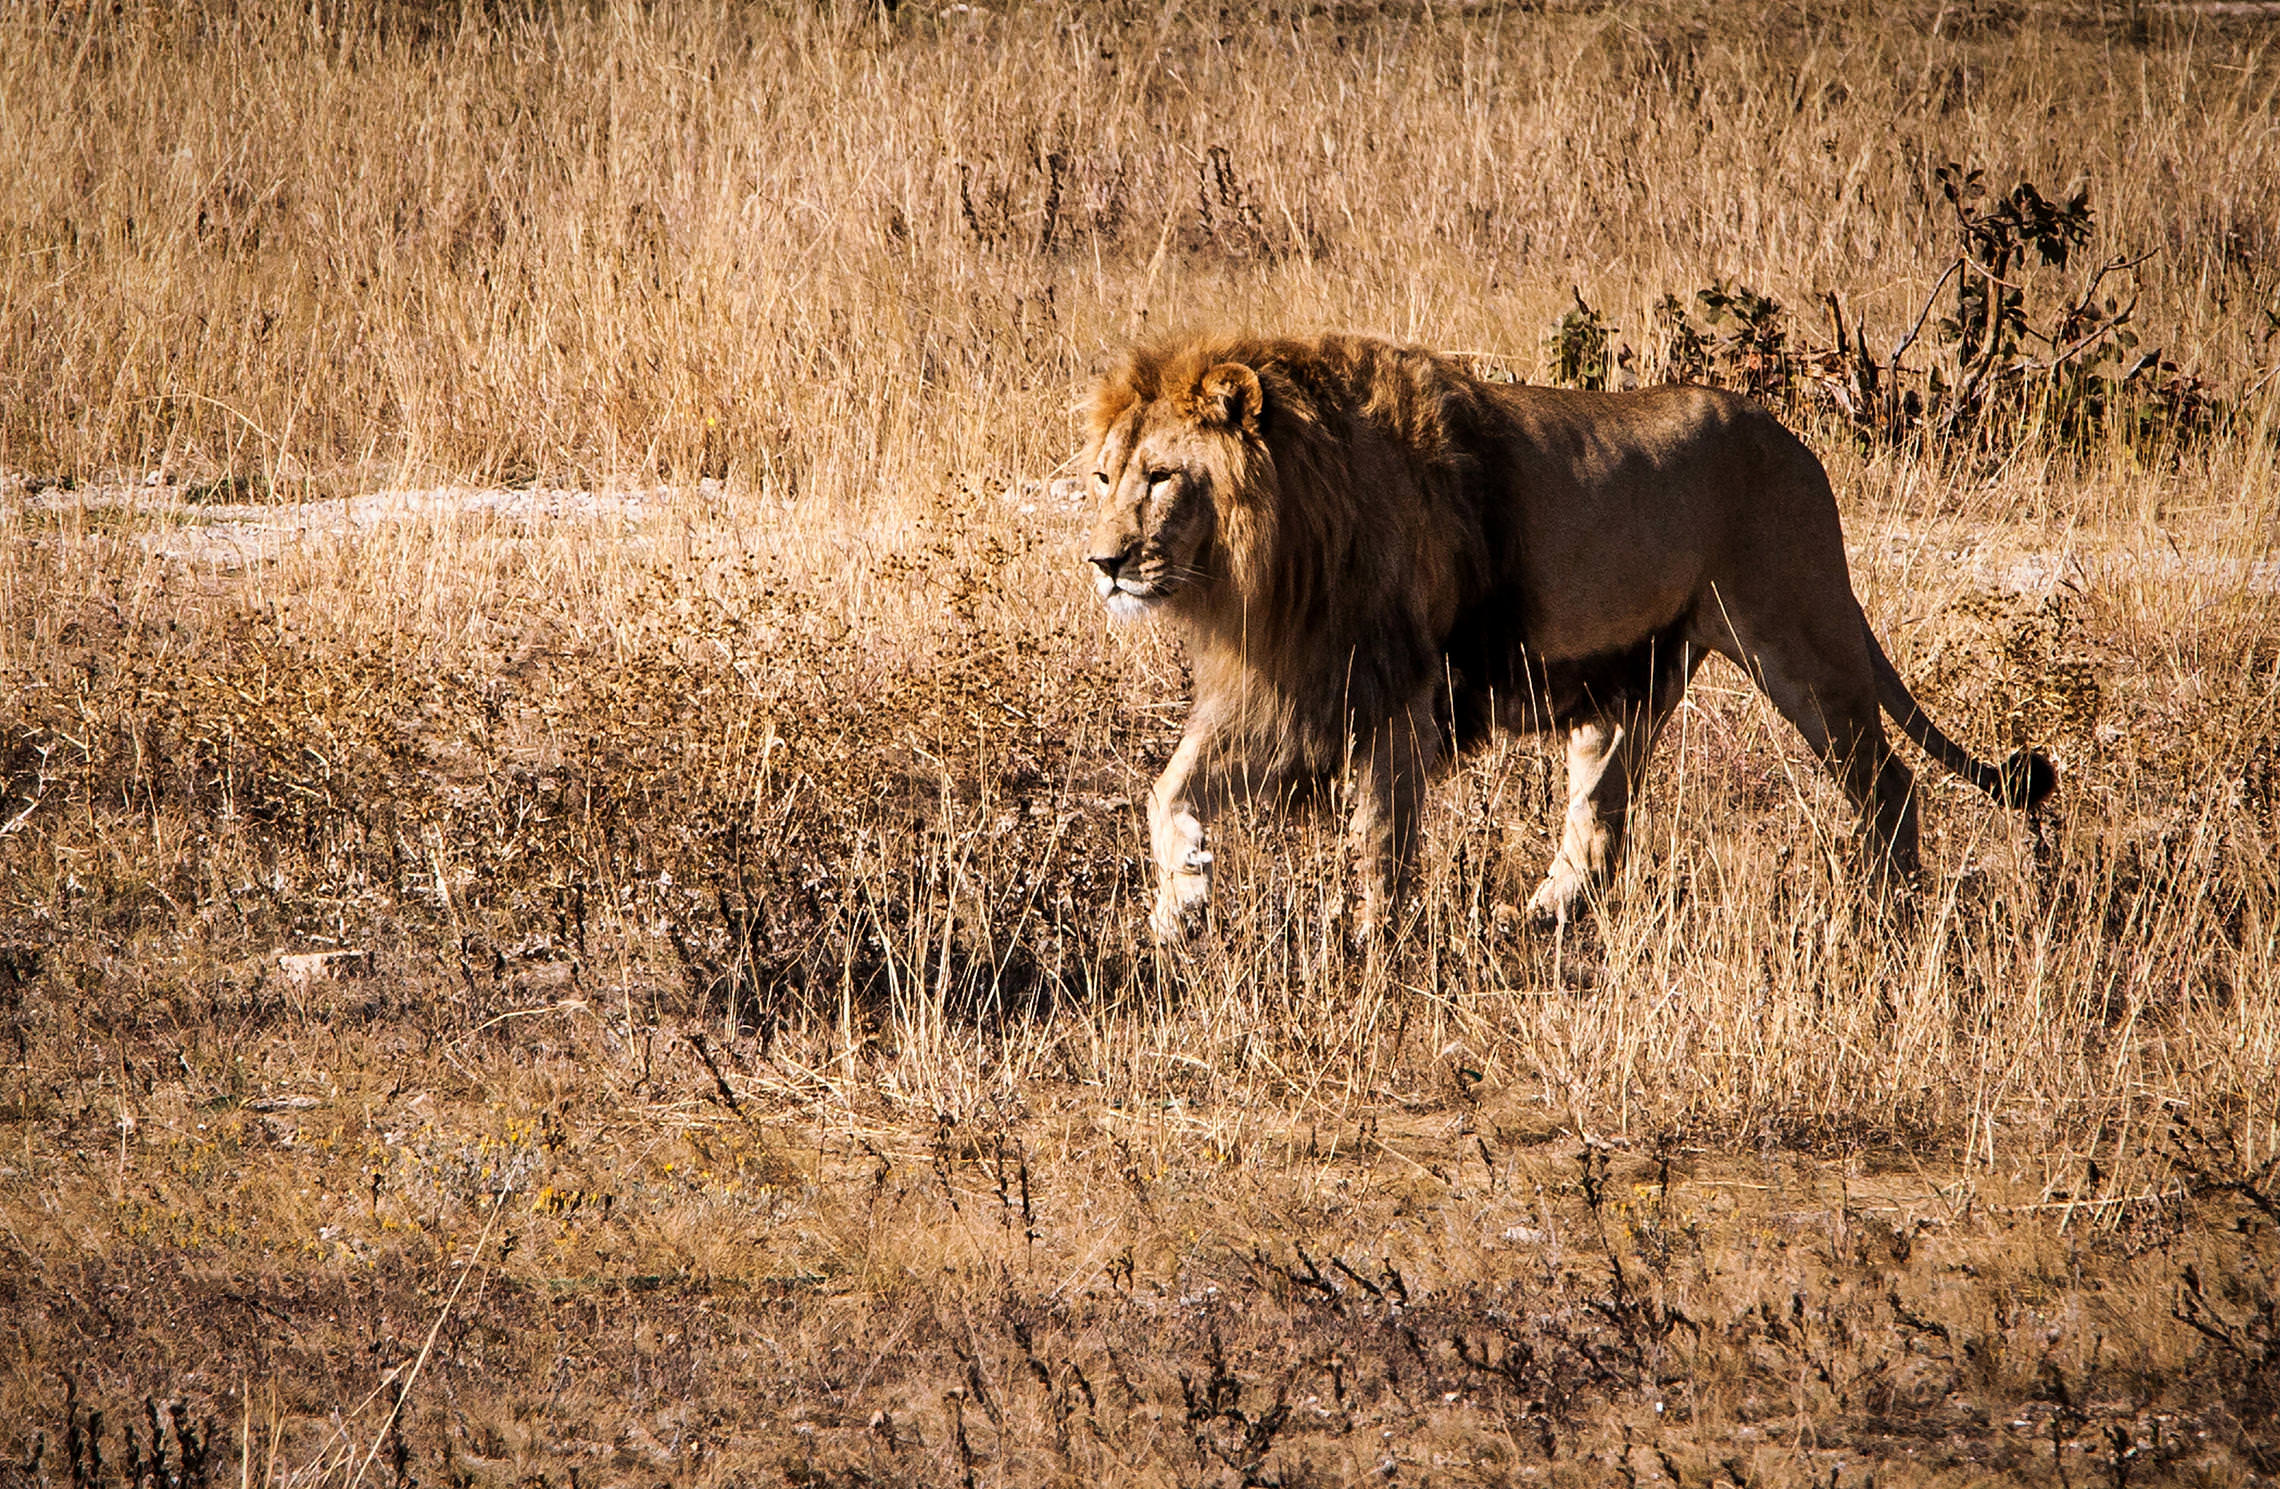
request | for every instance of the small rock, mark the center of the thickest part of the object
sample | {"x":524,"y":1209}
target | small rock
{"x":547,"y":977}
{"x":305,"y":969}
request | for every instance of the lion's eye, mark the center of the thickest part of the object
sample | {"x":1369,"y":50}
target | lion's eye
{"x":1100,"y":479}
{"x":1159,"y":477}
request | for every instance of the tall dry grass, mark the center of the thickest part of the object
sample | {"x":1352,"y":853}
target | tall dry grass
{"x":850,"y":254}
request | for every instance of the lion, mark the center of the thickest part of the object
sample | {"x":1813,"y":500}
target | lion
{"x":1377,"y":557}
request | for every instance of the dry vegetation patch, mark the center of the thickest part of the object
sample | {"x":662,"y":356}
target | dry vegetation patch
{"x":620,"y":961}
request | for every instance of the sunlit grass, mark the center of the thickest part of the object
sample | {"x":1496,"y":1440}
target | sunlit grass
{"x":746,"y":861}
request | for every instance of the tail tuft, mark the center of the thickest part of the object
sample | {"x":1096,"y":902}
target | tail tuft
{"x":2027,"y":777}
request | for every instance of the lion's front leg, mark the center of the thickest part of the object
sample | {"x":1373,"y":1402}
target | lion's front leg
{"x":1177,"y":804}
{"x":1393,"y":771}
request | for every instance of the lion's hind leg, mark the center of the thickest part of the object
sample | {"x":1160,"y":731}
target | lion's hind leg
{"x":1605,"y":756}
{"x":1831,"y":701}
{"x":1392,"y":770}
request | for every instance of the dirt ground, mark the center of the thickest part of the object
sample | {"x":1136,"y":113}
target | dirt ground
{"x":684,"y":1286}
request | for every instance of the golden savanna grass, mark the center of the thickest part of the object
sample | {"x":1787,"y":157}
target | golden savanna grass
{"x":570,"y":871}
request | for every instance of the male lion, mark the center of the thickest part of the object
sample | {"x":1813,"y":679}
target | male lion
{"x":1367,"y":546}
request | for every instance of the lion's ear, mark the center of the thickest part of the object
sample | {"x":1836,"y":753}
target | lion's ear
{"x":1231,"y":397}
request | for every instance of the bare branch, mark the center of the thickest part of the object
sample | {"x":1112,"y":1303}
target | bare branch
{"x":1992,"y":277}
{"x":1893,"y":361}
{"x":2114,"y":265}
{"x":2089,"y":338}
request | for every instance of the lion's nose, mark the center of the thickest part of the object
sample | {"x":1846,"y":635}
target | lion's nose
{"x":1109,"y":563}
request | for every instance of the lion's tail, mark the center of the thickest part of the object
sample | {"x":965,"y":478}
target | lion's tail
{"x":2023,"y":780}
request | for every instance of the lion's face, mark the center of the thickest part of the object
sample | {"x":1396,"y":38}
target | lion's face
{"x":1152,"y":514}
{"x":1153,"y":473}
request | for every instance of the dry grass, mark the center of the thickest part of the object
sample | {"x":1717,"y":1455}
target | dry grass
{"x":749,"y":1052}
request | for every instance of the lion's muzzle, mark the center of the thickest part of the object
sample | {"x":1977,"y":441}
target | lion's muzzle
{"x":1127,"y":598}
{"x":1126,"y":594}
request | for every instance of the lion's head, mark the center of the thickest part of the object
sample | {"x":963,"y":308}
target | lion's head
{"x":1177,"y":444}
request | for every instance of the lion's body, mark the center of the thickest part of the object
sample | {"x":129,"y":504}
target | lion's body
{"x":1366,"y":544}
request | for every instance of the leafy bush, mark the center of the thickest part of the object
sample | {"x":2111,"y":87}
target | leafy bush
{"x":2019,"y":365}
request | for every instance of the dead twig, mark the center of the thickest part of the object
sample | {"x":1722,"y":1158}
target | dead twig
{"x":1892,"y":362}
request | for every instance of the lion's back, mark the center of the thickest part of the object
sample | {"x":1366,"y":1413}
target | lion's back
{"x":1624,"y":510}
{"x":1682,"y":429}
{"x":1665,"y":465}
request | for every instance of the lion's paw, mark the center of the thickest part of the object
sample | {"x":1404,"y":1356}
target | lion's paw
{"x":1180,"y":901}
{"x":1556,"y":901}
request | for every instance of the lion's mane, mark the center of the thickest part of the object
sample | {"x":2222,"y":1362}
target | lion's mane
{"x":1350,"y":534}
